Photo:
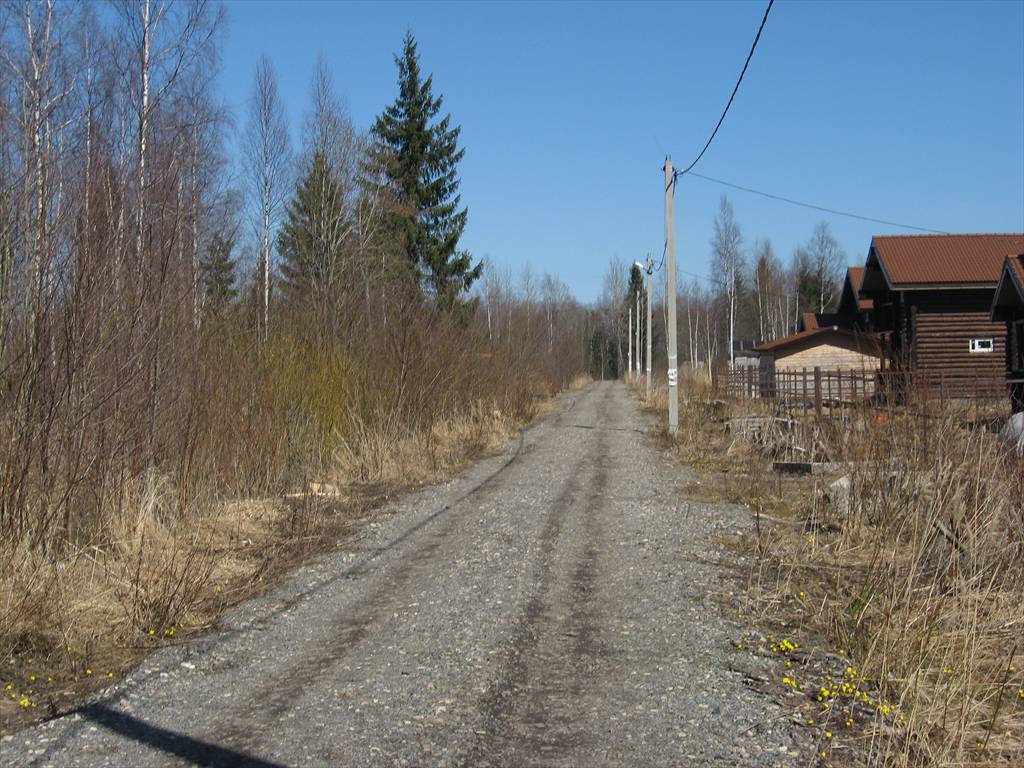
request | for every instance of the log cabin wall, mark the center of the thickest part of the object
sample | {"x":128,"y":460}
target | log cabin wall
{"x":942,"y":327}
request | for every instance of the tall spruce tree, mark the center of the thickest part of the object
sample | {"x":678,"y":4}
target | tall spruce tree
{"x":636,"y":285}
{"x":217,"y":270}
{"x":419,"y":154}
{"x":309,"y":244}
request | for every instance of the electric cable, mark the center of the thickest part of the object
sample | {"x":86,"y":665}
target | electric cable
{"x":734,"y":90}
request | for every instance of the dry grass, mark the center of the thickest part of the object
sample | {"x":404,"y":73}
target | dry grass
{"x":262,"y":467}
{"x":917,"y":577}
{"x":70,"y":623}
{"x":921,"y":579}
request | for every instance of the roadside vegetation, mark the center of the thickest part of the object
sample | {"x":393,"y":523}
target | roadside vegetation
{"x":892,"y":598}
{"x":210,"y":365}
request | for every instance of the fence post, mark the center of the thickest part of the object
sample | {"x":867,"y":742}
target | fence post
{"x":817,"y":390}
{"x":975,"y":398}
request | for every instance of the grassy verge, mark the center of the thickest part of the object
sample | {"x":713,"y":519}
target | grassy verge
{"x":262,"y":458}
{"x":893,"y":599}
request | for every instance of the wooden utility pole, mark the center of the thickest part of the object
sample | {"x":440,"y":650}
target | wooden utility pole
{"x":650,"y":272}
{"x":670,"y":296}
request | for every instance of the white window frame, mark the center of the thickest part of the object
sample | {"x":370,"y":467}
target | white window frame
{"x":981,"y":346}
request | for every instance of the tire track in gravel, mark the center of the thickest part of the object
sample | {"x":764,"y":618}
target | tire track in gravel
{"x":354,"y":623}
{"x":525,"y":716}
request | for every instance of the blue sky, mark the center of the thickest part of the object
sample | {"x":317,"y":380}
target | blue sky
{"x":912,"y":112}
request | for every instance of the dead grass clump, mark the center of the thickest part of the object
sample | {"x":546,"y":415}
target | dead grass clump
{"x":918,"y":574}
{"x":407,"y":457}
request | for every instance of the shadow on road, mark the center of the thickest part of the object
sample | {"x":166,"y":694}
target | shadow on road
{"x":172,"y":743}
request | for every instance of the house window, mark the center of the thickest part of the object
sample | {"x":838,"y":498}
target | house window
{"x":981,"y":345}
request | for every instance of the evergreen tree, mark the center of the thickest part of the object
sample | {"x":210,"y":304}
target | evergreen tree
{"x":217,"y":272}
{"x":419,"y":154}
{"x":310,"y":242}
{"x":603,"y":358}
{"x":806,"y":287}
{"x":636,"y":285}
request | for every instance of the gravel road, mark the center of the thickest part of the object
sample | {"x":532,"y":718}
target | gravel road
{"x":554,"y":605}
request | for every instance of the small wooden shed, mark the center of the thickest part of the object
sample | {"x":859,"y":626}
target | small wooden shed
{"x":832,"y":349}
{"x":829,"y":348}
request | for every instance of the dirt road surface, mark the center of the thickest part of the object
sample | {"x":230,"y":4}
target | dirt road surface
{"x":556,"y":605}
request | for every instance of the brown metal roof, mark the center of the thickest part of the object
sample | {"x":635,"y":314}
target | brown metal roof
{"x":787,"y":341}
{"x":909,"y":260}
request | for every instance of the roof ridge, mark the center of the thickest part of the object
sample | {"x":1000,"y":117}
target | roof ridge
{"x":965,"y":259}
{"x":951,"y":234}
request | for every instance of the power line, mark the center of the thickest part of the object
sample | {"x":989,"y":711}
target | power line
{"x":736,"y":88}
{"x":814,"y":207}
{"x":685,"y":272}
{"x":705,"y":278}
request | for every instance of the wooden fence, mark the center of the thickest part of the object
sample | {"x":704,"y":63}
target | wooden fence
{"x":818,"y":388}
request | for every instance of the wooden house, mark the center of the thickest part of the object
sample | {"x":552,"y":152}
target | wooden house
{"x":1008,"y":308}
{"x":853,"y":312}
{"x":829,"y":348}
{"x":854,"y":309}
{"x":932,"y":299}
{"x":787,"y":363}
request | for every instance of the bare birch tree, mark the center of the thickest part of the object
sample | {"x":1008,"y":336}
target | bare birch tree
{"x":827,"y":263}
{"x":330,"y":134}
{"x":727,"y":258}
{"x":612,"y":309}
{"x":268,"y":165}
